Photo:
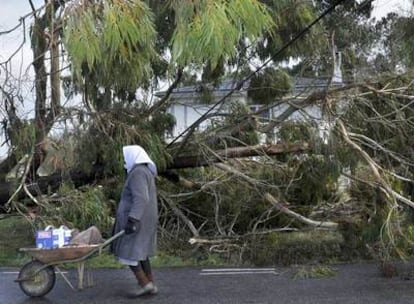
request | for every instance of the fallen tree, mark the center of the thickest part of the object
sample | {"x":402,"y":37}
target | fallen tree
{"x":52,"y":182}
{"x":191,"y":161}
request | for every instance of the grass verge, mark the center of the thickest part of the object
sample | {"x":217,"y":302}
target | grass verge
{"x":16,"y":232}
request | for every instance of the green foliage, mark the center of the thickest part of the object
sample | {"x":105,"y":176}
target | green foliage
{"x":268,"y":85}
{"x":211,"y":74}
{"x":381,"y":122}
{"x":230,"y":205}
{"x":115,"y":39}
{"x":209,"y":30}
{"x":234,"y":206}
{"x":15,"y":232}
{"x":103,"y":260}
{"x":318,"y":180}
{"x":292,"y":131}
{"x":23,"y":137}
{"x":381,"y":227}
{"x":165,"y":259}
{"x":247,"y":136}
{"x":315,"y":174}
{"x":349,"y":30}
{"x":289,"y":18}
{"x":79,"y":209}
{"x":238,"y":115}
{"x":343,"y":153}
{"x":406,"y":240}
{"x":363,"y":192}
{"x":295,"y":248}
{"x":206,"y":93}
{"x":398,"y":34}
{"x":101,"y":142}
{"x":314,"y":272}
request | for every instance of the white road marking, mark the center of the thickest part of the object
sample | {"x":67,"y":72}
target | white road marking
{"x":237,"y":271}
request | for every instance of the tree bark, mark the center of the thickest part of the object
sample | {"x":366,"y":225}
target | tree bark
{"x":190,"y":161}
{"x":297,"y":216}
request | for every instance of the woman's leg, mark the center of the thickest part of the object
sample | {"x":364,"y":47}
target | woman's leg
{"x":140,"y":275}
{"x":146,"y":267}
{"x":147,"y":287}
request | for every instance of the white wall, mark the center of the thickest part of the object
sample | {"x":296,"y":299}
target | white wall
{"x":186,"y":115}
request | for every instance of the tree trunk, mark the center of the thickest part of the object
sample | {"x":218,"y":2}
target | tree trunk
{"x":79,"y":178}
{"x":190,"y":161}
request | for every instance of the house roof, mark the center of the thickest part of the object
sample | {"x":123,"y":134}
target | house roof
{"x":306,"y":85}
{"x":302,"y":85}
{"x":195,"y":91}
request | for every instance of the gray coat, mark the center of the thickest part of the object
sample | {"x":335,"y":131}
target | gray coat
{"x":138,"y":200}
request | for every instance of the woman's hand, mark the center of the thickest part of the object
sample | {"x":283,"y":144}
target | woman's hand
{"x":132,"y":226}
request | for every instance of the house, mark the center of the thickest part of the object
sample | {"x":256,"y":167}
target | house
{"x":189,"y":103}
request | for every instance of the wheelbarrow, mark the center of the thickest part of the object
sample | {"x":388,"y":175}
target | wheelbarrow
{"x":37,"y":277}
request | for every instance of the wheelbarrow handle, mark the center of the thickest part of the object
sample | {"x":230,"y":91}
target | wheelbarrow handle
{"x":113,"y":238}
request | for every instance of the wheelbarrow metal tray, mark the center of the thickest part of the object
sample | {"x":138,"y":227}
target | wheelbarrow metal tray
{"x":61,"y":254}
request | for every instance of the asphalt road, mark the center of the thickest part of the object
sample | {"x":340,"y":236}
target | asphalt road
{"x":354,"y":283}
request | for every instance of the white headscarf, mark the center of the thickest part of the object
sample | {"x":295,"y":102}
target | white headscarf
{"x":137,"y":155}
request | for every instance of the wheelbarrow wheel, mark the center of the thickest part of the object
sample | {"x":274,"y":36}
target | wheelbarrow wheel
{"x":35,"y":279}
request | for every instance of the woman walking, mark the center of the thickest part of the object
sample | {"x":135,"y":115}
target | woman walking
{"x":137,"y":214}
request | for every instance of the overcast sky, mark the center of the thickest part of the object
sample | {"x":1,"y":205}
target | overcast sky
{"x":383,"y":7}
